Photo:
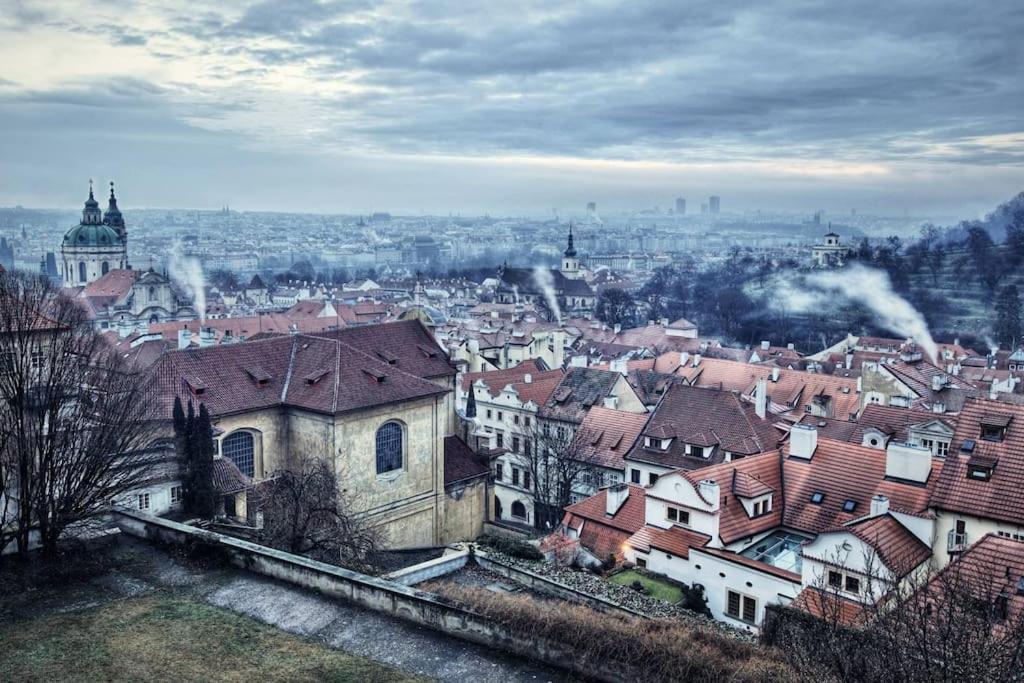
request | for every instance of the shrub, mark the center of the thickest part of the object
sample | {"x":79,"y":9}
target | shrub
{"x":638,"y":586}
{"x":512,"y":547}
{"x":625,"y":647}
{"x":695,"y":600}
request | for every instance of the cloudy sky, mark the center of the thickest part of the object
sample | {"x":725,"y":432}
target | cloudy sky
{"x":505,"y":106}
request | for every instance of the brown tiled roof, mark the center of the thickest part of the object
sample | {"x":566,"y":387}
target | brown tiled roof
{"x":845,"y":471}
{"x":895,"y":421}
{"x":606,"y":435}
{"x":315,"y":373}
{"x":227,"y":478}
{"x":755,"y":475}
{"x":539,"y":389}
{"x":900,"y":550}
{"x":832,"y":608}
{"x":675,"y":541}
{"x":629,"y":518}
{"x":411,"y":344}
{"x":793,"y":391}
{"x":460,"y":462}
{"x":704,"y":417}
{"x":1002,"y":496}
{"x":579,"y":390}
{"x":993,"y":566}
{"x":115,"y":285}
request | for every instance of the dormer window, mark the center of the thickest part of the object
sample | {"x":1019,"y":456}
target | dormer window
{"x":979,"y":471}
{"x":762,"y":507}
{"x":991,"y":433}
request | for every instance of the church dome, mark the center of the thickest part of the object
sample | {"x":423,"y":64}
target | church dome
{"x":92,"y":235}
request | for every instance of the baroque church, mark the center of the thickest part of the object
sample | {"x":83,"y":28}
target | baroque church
{"x":566,"y":284}
{"x":94,"y":265}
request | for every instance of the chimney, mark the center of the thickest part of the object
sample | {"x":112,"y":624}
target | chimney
{"x":849,"y":359}
{"x":761,"y":398}
{"x":615,"y":496}
{"x":710,"y":492}
{"x":611,"y":402}
{"x":696,"y":359}
{"x":663,"y":322}
{"x":207,"y":337}
{"x":617,"y":328}
{"x":619,"y":365}
{"x":879,"y":505}
{"x":938,"y":382}
{"x":803,"y":439}
{"x":578,"y":361}
{"x":765,"y":345}
{"x":684,"y":358}
{"x":184,"y":338}
{"x":907,"y":462}
{"x":775,"y":374}
{"x":791,"y":346}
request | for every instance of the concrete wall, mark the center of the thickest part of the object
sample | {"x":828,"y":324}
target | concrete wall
{"x":465,"y":510}
{"x":370,"y":592}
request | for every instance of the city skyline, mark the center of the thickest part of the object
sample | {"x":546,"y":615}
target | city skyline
{"x":334,"y":108}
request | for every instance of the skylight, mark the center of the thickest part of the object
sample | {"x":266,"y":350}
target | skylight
{"x":817,"y":497}
{"x":849,"y":506}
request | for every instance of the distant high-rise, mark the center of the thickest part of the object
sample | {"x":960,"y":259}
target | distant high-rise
{"x":591,"y":208}
{"x":680,"y":206}
{"x":714,"y":203}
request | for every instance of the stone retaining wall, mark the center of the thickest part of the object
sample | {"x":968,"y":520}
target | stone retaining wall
{"x":370,"y":592}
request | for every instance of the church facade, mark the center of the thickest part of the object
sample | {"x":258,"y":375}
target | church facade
{"x":566,"y":284}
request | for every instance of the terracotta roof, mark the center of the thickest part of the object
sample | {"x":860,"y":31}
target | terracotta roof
{"x":227,"y":478}
{"x":792,"y":392}
{"x":1002,"y":496}
{"x":116,"y":285}
{"x":897,"y":548}
{"x":460,"y":462}
{"x":323,"y":375}
{"x":844,"y":471}
{"x":539,"y":389}
{"x":832,"y":608}
{"x":408,"y":341}
{"x":896,"y":421}
{"x":675,"y":541}
{"x":755,"y":475}
{"x":629,"y":518}
{"x":704,"y":417}
{"x":993,"y":566}
{"x":606,"y":435}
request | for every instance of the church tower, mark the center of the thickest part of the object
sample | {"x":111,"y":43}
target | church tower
{"x":96,"y":245}
{"x":570,"y":264}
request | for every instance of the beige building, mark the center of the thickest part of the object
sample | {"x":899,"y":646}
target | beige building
{"x":377,"y":401}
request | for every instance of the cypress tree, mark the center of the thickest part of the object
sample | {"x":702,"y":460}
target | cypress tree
{"x":471,"y":403}
{"x":181,"y":449}
{"x":204,"y":495}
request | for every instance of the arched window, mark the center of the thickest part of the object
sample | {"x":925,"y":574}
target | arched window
{"x":239,"y":448}
{"x":518,"y":509}
{"x":152,"y":293}
{"x":81,"y":271}
{"x":105,"y":268}
{"x":389,"y":448}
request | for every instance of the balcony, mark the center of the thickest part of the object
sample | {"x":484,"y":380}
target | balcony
{"x":956,"y":543}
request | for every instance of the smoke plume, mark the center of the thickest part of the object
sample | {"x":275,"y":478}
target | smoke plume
{"x":869,"y":287}
{"x":542,"y":276}
{"x":188,"y":273}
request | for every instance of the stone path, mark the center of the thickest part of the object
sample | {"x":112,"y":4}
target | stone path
{"x":339,"y":625}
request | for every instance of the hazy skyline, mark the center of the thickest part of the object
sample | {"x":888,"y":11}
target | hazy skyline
{"x":438,"y":107}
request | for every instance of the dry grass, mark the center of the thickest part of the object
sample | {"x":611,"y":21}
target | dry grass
{"x":163,"y":638}
{"x":639,"y":649}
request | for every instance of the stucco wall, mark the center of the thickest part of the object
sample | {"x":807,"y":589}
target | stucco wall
{"x":465,"y":510}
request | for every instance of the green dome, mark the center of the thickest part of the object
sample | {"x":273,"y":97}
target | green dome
{"x":98,"y":235}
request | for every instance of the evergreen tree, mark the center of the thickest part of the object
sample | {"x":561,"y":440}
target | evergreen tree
{"x":181,"y":449}
{"x":202,"y":450}
{"x":1008,"y":316}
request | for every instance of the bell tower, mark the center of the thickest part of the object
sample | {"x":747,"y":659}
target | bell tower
{"x":570,"y":264}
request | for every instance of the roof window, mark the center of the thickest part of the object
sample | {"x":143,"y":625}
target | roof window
{"x":817,"y":497}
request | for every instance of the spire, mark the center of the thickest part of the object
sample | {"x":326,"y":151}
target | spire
{"x":571,"y":250}
{"x":471,"y":403}
{"x":113,"y":217}
{"x":91,"y":214}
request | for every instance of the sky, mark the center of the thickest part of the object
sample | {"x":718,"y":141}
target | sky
{"x":514,"y":107}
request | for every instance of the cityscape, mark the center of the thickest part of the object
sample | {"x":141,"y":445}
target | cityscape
{"x":388,"y":342}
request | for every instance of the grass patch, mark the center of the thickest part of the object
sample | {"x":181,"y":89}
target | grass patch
{"x":662,"y":590}
{"x":169,"y":638}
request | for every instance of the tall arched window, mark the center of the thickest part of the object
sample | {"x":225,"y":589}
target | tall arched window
{"x":152,"y":293}
{"x":389,"y":448}
{"x":240,"y":449}
{"x":105,"y":268}
{"x":81,"y":271}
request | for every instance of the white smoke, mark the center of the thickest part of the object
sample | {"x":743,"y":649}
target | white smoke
{"x":188,"y":273}
{"x":542,"y":276}
{"x":869,"y":287}
{"x":515,"y":292}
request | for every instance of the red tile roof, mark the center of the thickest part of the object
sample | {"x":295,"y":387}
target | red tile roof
{"x":1002,"y":496}
{"x":606,"y":435}
{"x":629,"y":518}
{"x":675,"y":541}
{"x":897,"y":548}
{"x":539,"y":389}
{"x":227,"y":478}
{"x":755,"y":475}
{"x":829,"y":607}
{"x":845,"y":471}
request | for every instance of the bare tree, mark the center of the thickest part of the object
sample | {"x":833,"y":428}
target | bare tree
{"x":305,"y":512}
{"x":964,"y":622}
{"x":75,"y":423}
{"x":559,"y":463}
